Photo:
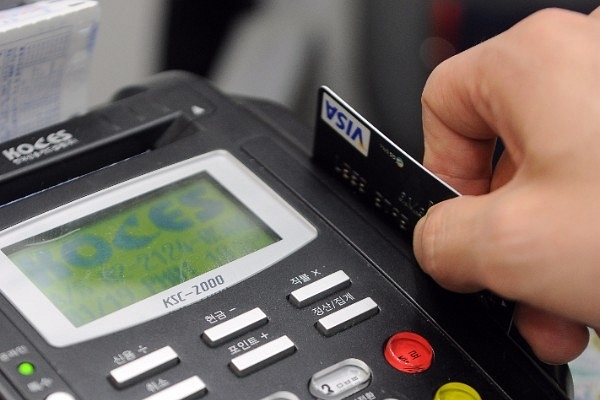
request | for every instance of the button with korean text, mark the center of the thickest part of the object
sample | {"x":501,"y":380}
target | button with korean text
{"x":262,"y":356}
{"x":190,"y":388}
{"x":143,"y":367}
{"x":234,"y":327}
{"x":347,"y":317}
{"x":409,"y":352}
{"x":340,"y":380}
{"x":319,"y":289}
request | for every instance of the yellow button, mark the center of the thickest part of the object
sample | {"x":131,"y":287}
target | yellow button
{"x":456,"y":391}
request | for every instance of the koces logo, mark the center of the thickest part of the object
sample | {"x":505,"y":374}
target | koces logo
{"x":42,"y":146}
{"x":344,"y":123}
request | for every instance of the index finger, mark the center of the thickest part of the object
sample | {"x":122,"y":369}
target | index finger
{"x":458,"y":142}
{"x":499,"y":88}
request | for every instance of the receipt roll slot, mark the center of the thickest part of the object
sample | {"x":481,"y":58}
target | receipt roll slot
{"x":179,"y":243}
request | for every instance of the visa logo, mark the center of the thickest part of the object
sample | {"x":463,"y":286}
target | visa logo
{"x":345,"y":124}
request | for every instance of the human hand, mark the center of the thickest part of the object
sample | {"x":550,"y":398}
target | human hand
{"x":529,"y":230}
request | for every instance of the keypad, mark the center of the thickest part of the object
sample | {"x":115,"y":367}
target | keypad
{"x":254,"y":359}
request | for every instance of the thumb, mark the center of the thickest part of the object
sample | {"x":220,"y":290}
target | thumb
{"x":450,"y":245}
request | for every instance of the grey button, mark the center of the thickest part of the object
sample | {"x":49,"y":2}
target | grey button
{"x":60,"y":396}
{"x":145,"y":366}
{"x":348,"y":316}
{"x":320,"y":289}
{"x":187,"y":389}
{"x":234,"y":327}
{"x":262,"y":356}
{"x":340,"y":380}
{"x":282,"y":396}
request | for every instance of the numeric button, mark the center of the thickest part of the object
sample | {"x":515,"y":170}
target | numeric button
{"x":340,"y":380}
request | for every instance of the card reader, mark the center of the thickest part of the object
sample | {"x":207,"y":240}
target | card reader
{"x":179,"y":243}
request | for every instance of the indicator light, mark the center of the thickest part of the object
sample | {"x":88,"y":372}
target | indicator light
{"x":26,"y":368}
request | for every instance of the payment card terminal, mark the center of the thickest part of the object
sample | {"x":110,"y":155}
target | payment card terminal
{"x":179,"y":243}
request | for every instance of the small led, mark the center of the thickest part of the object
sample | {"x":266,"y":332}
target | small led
{"x":26,"y":368}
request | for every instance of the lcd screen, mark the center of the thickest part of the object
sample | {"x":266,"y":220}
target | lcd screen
{"x":101,"y":263}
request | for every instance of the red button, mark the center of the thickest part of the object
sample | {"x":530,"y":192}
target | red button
{"x":408,"y":352}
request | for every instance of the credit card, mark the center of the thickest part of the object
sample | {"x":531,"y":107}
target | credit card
{"x":372,"y":166}
{"x":385,"y":176}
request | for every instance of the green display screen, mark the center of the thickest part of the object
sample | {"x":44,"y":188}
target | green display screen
{"x":108,"y":260}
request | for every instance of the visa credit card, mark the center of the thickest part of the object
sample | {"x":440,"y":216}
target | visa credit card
{"x":372,"y":166}
{"x":385,"y":176}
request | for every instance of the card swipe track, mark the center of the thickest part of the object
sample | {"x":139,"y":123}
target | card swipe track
{"x":373,"y":166}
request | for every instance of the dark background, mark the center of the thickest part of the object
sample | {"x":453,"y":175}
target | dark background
{"x":400,"y":42}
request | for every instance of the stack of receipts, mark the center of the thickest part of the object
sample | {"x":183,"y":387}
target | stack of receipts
{"x":45,"y":58}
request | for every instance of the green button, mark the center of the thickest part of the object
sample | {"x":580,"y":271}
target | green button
{"x":456,"y":391}
{"x":26,"y":368}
